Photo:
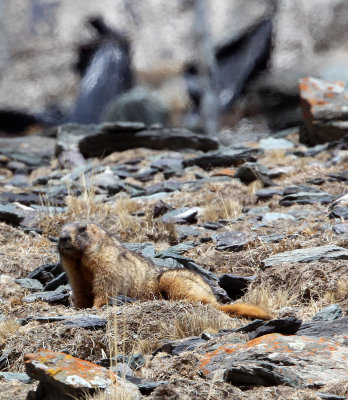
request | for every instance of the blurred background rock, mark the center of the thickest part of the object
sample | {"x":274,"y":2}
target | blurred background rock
{"x":39,"y":38}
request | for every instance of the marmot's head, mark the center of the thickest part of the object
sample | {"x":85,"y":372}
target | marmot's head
{"x":79,"y":238}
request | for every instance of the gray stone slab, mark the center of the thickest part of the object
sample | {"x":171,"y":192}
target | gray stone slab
{"x":309,"y":254}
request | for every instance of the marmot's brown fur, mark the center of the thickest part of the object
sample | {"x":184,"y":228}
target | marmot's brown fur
{"x":98,"y":266}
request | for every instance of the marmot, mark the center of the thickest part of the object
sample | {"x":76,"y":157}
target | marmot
{"x":99,"y":266}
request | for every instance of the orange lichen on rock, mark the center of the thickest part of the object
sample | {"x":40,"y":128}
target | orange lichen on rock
{"x":225,"y":172}
{"x":61,"y":365}
{"x":288,"y":350}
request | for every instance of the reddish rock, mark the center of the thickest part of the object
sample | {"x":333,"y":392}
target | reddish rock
{"x":62,"y":376}
{"x":324,"y":110}
{"x":225,"y":172}
{"x":298,"y":361}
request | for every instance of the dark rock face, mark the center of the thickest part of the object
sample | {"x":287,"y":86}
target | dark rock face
{"x":102,"y":140}
{"x":235,"y":286}
{"x":275,"y":359}
{"x":106,"y":142}
{"x":250,"y":172}
{"x":259,"y":374}
{"x":285,"y":326}
{"x":106,"y":74}
{"x":237,"y":61}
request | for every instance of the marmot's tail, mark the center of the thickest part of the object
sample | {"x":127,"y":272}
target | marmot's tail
{"x":244,"y":310}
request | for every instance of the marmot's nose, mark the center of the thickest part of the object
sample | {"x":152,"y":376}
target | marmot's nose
{"x":64,"y":238}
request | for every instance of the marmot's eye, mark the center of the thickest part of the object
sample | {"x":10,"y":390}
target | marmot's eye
{"x":82,"y":229}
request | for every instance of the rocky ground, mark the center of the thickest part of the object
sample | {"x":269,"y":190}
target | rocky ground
{"x":258,"y":220}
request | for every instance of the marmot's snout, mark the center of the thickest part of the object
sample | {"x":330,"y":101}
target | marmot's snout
{"x":65,"y":241}
{"x":64,"y":238}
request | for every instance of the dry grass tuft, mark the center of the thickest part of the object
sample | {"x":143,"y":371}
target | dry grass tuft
{"x":115,"y":217}
{"x":21,"y":253}
{"x":141,"y":326}
{"x":7,"y":328}
{"x":254,"y":186}
{"x":265,"y":296}
{"x":339,"y":389}
{"x":275,"y":156}
{"x":339,"y":293}
{"x":116,"y":393}
{"x":222,"y":208}
{"x":84,"y":207}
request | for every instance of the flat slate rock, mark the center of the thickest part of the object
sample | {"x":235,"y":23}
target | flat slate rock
{"x":34,"y":151}
{"x":14,"y":215}
{"x":258,"y":211}
{"x":186,"y":231}
{"x":24,"y":198}
{"x":31,"y":284}
{"x":300,"y":189}
{"x":48,"y":318}
{"x":177,"y":250}
{"x":121,"y":299}
{"x":306,"y":198}
{"x":166,"y":186}
{"x":340,"y":229}
{"x":214,"y":226}
{"x":222,"y":159}
{"x":178,"y":346}
{"x":330,"y":396}
{"x":330,"y":313}
{"x":181,"y":215}
{"x":16,"y":376}
{"x":339,"y":176}
{"x":106,"y":141}
{"x":146,"y":249}
{"x":270,"y":217}
{"x":135,"y":362}
{"x":325,"y":328}
{"x":272,"y":143}
{"x":232,"y":241}
{"x":276,"y":238}
{"x":316,"y":181}
{"x":285,"y":326}
{"x":275,"y":359}
{"x":339,"y":212}
{"x":86,"y":322}
{"x":309,"y":254}
{"x":49,"y":297}
{"x":268,"y":192}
